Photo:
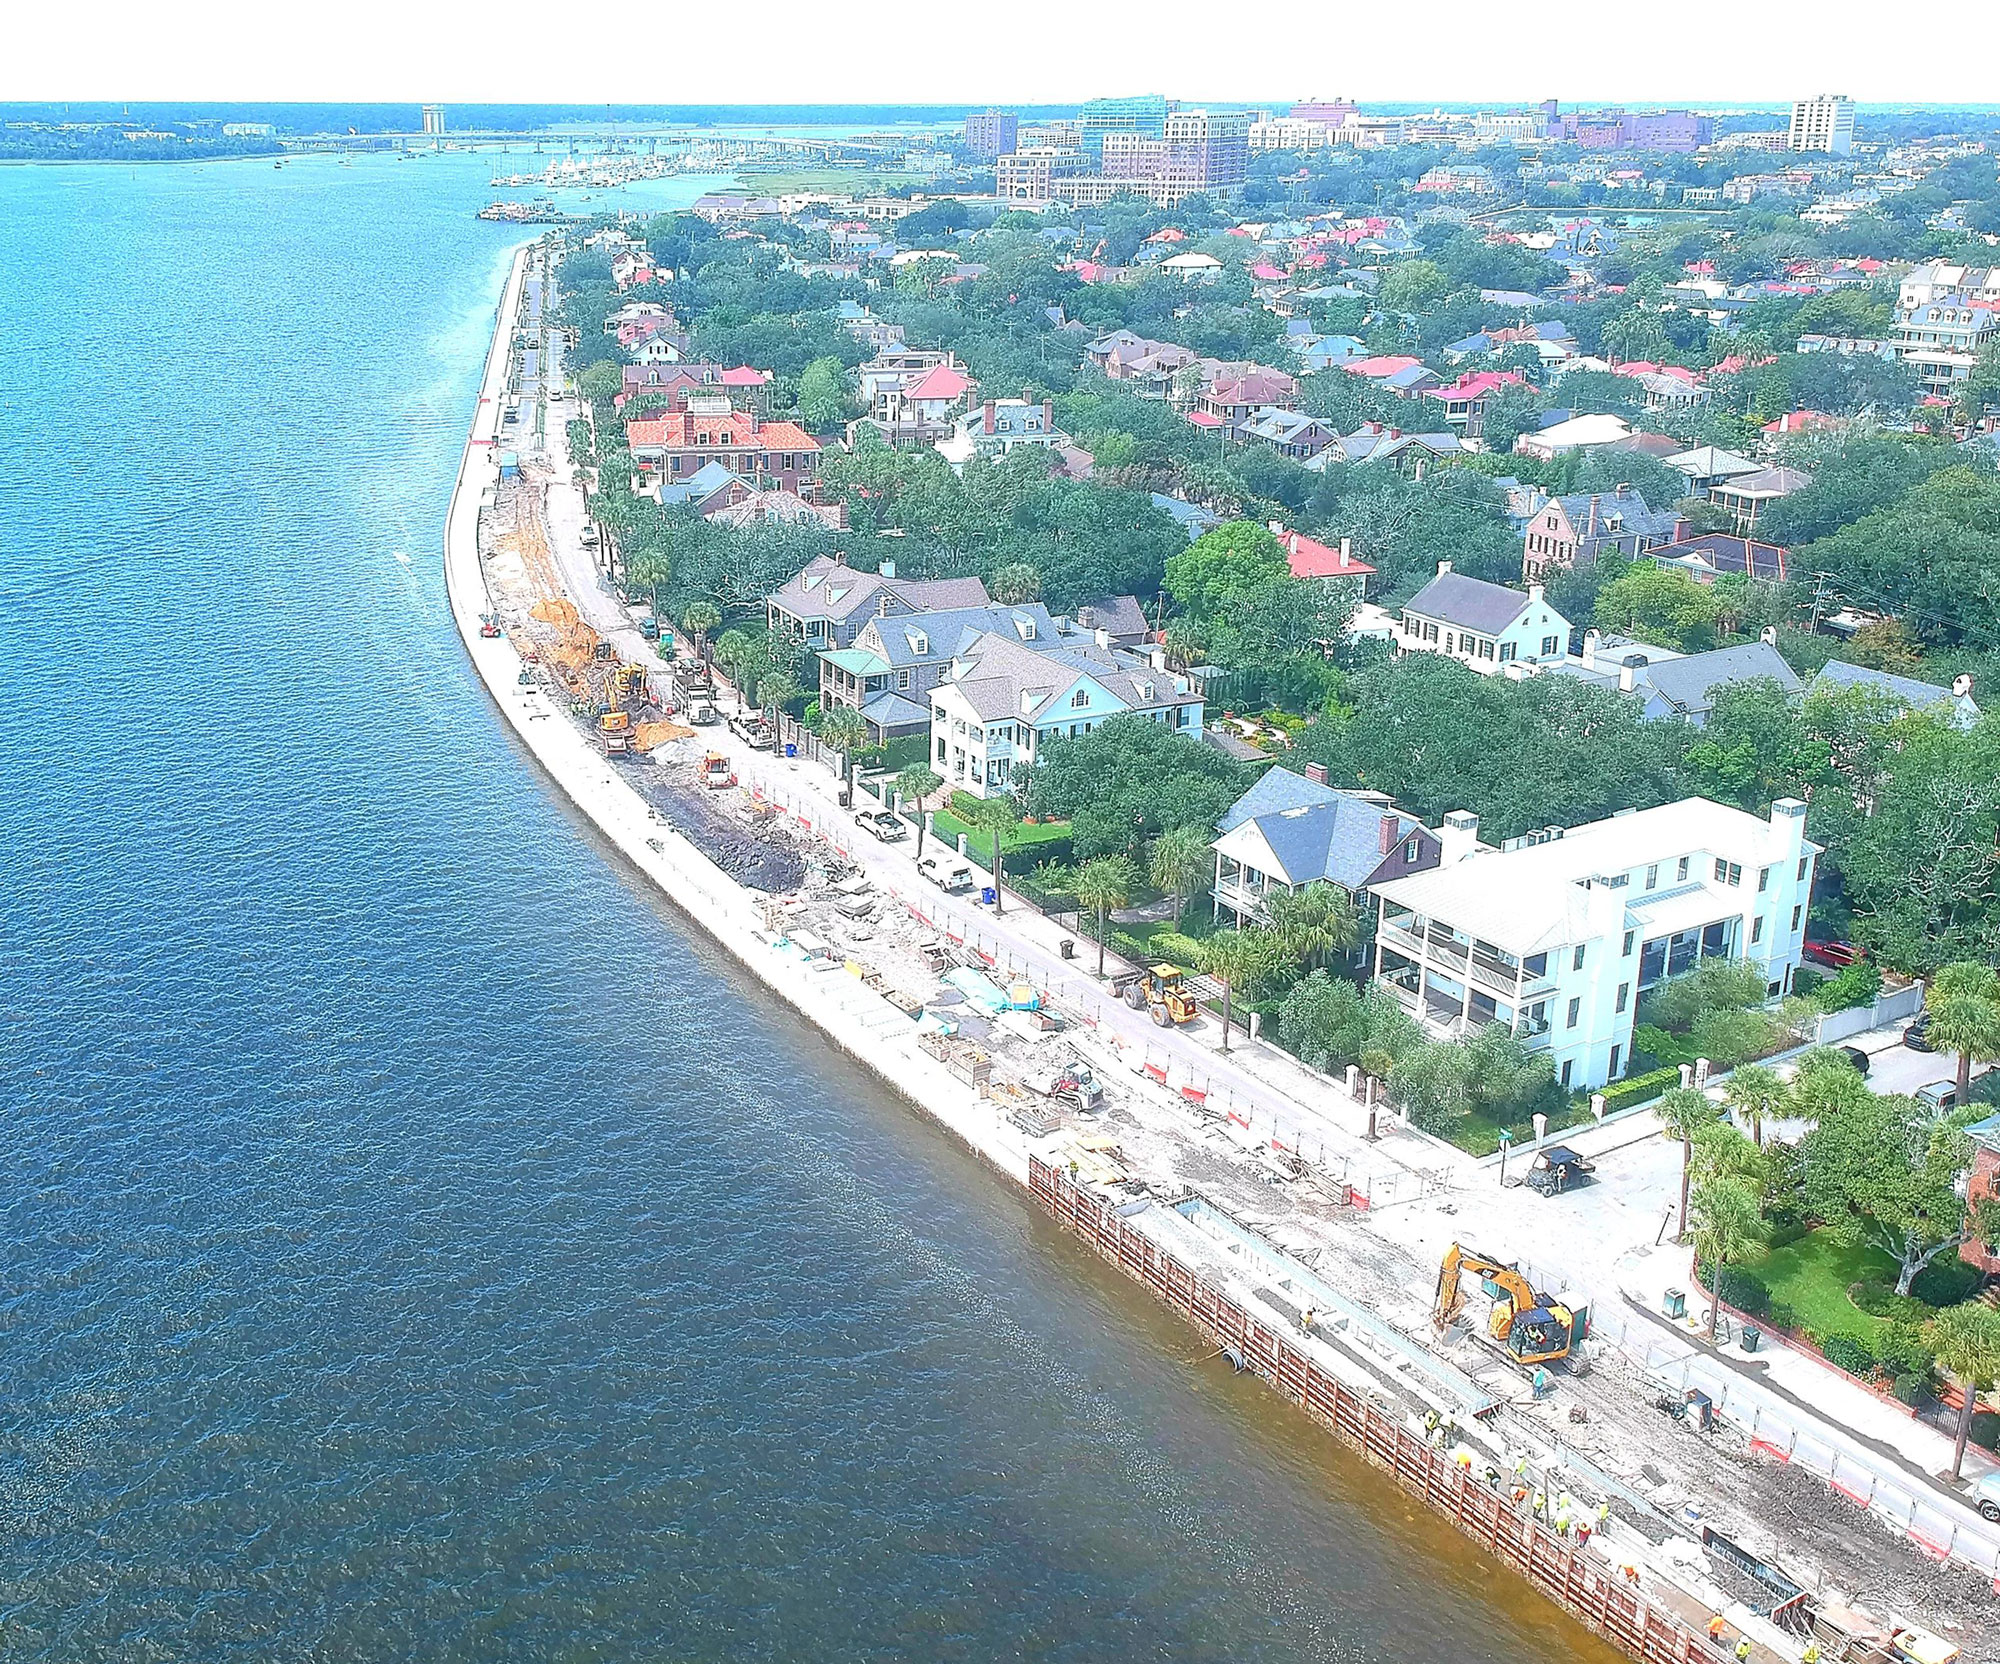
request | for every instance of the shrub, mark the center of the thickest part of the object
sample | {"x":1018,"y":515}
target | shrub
{"x":1881,"y":1300}
{"x":1713,"y":985}
{"x":1663,"y":1048}
{"x":1781,"y":1316}
{"x":1727,"y":1038}
{"x":1907,"y":1358}
{"x":1638,"y":1089}
{"x":1741,"y":1288}
{"x":1858,"y":984}
{"x":1947,"y":1282}
{"x":1846,"y":1352}
{"x":1805,"y":980}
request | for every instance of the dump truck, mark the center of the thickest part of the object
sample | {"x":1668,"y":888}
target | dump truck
{"x":1529,"y":1327}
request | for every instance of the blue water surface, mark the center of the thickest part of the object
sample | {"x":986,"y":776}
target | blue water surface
{"x":417,"y":1244}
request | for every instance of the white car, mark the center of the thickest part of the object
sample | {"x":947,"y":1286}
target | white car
{"x":947,"y":872}
{"x":1986,"y":1497}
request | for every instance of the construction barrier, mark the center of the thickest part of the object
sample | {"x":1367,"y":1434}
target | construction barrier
{"x":1555,"y":1565}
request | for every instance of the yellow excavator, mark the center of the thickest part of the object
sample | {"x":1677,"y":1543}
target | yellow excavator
{"x":1529,"y":1327}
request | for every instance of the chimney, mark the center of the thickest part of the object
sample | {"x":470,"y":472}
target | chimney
{"x":1457,"y":837}
{"x":1590,"y":529}
{"x":1346,"y":551}
{"x":1048,"y":416}
{"x":1627,"y":674}
{"x":1277,"y":527}
{"x":1768,"y":635}
{"x":1387,"y":834}
{"x":1590,"y":640}
{"x":1395,"y":433}
{"x":1961,"y":687}
{"x":1534,"y":592}
{"x":887,"y":569}
{"x":1444,"y":566}
{"x":986,"y":416}
{"x":1316,"y":772}
{"x":1623,"y":487}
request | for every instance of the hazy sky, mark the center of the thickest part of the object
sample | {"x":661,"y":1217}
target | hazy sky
{"x":903,"y":51}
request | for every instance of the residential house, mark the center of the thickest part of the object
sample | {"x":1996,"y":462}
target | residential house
{"x":1673,"y":684}
{"x":1942,"y":341}
{"x":1412,"y":454}
{"x":1398,"y":372}
{"x":1236,"y":392}
{"x":1748,"y":495}
{"x":1569,"y":533}
{"x":1003,"y":699}
{"x":1486,"y":627}
{"x":1314,"y":562}
{"x":1706,"y":556}
{"x":1577,"y":433}
{"x":673,"y":445}
{"x":912,"y":408}
{"x":1145,"y":368}
{"x":895,"y":659}
{"x":1956,"y":702}
{"x":1463,"y":401}
{"x":826,"y":602}
{"x":742,"y":386}
{"x":779,"y":508}
{"x":1559,"y":935}
{"x":1290,"y":830}
{"x":1326,"y":352}
{"x":1192,"y":516}
{"x":711,"y":488}
{"x":1114,"y":621}
{"x":1290,"y":433}
{"x":996,"y":427}
{"x":1707,"y":466}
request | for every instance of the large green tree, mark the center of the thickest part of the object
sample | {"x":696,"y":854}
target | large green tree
{"x":1129,"y":780}
{"x":1881,"y":1170}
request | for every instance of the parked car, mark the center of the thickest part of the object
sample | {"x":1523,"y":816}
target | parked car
{"x":1918,"y":1035}
{"x":1856,"y":1056}
{"x":1940,"y":1097}
{"x":1837,"y":954}
{"x":1986,"y":1497}
{"x":884,"y":824}
{"x":947,"y":872}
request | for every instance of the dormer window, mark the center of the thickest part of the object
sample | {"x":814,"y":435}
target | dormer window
{"x":1079,"y":699}
{"x":920,"y":644}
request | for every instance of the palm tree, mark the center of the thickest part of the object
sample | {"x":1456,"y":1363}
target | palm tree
{"x":1967,"y":1342}
{"x":1313,"y":922}
{"x":1015,"y":585}
{"x":1727,"y":1225}
{"x":913,"y":785}
{"x":1683,"y":1112}
{"x":843,"y":729}
{"x":1757,"y":1092}
{"x":1963,"y":1005}
{"x":700,"y":620}
{"x":775,"y":690}
{"x":733,"y":651}
{"x":993,"y":814}
{"x":1236,"y":959}
{"x":1179,"y":860}
{"x":1103,"y":884}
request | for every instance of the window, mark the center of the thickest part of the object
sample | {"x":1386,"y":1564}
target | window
{"x":1763,"y":879}
{"x":1575,"y":1010}
{"x":1550,"y":646}
{"x":1079,"y":699}
{"x":902,"y":678}
{"x":1680,"y":876}
{"x":1803,"y":859}
{"x":1624,"y":994}
{"x":940,"y":748}
{"x":1577,"y":963}
{"x":1449,"y":638}
{"x":1653,"y":876}
{"x":1430,"y":632}
{"x":1729,"y":872}
{"x":1756,"y":930}
{"x":1626,"y":951}
{"x":1796,"y":911}
{"x":1565,"y":1074}
{"x":1410,"y":850}
{"x":1536,"y":964}
{"x":1615,"y":1050}
{"x":1507,"y":651}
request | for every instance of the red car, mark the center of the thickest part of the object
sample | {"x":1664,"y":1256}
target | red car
{"x":1837,"y":954}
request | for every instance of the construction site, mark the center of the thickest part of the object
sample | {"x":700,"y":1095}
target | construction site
{"x":1490,"y":1392}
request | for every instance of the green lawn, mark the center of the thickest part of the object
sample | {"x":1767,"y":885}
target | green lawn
{"x":1813,"y":1275}
{"x":1018,"y":836}
{"x":1479,"y":1135}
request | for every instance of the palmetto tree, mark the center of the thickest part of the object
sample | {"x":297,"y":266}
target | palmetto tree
{"x":1236,"y":959}
{"x":775,"y":690}
{"x":915,"y":784}
{"x":700,"y":620}
{"x":1103,"y":885}
{"x":1727,"y":1226}
{"x":843,"y":729}
{"x":1179,"y":860}
{"x":1757,"y":1093}
{"x":1684,"y":1112}
{"x":992,"y":815}
{"x":1963,"y":1005}
{"x":1967,"y":1342}
{"x":1313,"y":922}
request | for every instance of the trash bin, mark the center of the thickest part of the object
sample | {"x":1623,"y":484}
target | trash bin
{"x":1067,"y":947}
{"x":791,"y":750}
{"x":847,"y":797}
{"x":1751,"y":1336}
{"x":988,"y":896}
{"x":1675,"y":1304}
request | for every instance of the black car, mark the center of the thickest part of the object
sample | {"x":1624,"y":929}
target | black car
{"x":1918,"y":1035}
{"x":1856,"y":1056}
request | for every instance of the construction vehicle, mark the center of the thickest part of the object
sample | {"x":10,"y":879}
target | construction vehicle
{"x":1558,"y":1168}
{"x":614,"y":732}
{"x":629,"y":687}
{"x":489,"y":626}
{"x":1530,"y":1328}
{"x":1162,"y":991}
{"x":716,"y":772}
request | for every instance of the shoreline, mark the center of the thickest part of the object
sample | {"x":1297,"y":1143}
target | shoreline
{"x":1164,"y":1244}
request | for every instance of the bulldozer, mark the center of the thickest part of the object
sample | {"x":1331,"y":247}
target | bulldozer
{"x":1529,"y":1327}
{"x":1162,"y":991}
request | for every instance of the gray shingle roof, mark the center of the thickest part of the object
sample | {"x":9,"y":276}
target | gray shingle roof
{"x":1921,"y":696}
{"x":1690,"y":684}
{"x":1315,"y":831}
{"x":1470,"y":603}
{"x":922,"y":637}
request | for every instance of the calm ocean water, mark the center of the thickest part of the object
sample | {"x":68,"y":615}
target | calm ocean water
{"x":416,"y":1245}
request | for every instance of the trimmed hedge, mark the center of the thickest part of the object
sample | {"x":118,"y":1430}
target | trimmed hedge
{"x":1845,"y":1352}
{"x":1741,"y":1288}
{"x":1638,"y":1089}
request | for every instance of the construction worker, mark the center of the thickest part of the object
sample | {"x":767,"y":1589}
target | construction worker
{"x":1715,"y":1629}
{"x":1307,"y":1325}
{"x":1521,"y":1467}
{"x":1562,"y":1519}
{"x":1811,"y":1654}
{"x":1743,"y":1650}
{"x":1539,"y":1506}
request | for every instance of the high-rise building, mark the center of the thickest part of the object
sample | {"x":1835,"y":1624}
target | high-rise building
{"x":1824,"y":124}
{"x":434,"y":118}
{"x":1222,"y":138}
{"x":990,"y":134}
{"x":1145,"y":114}
{"x":1329,"y":112}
